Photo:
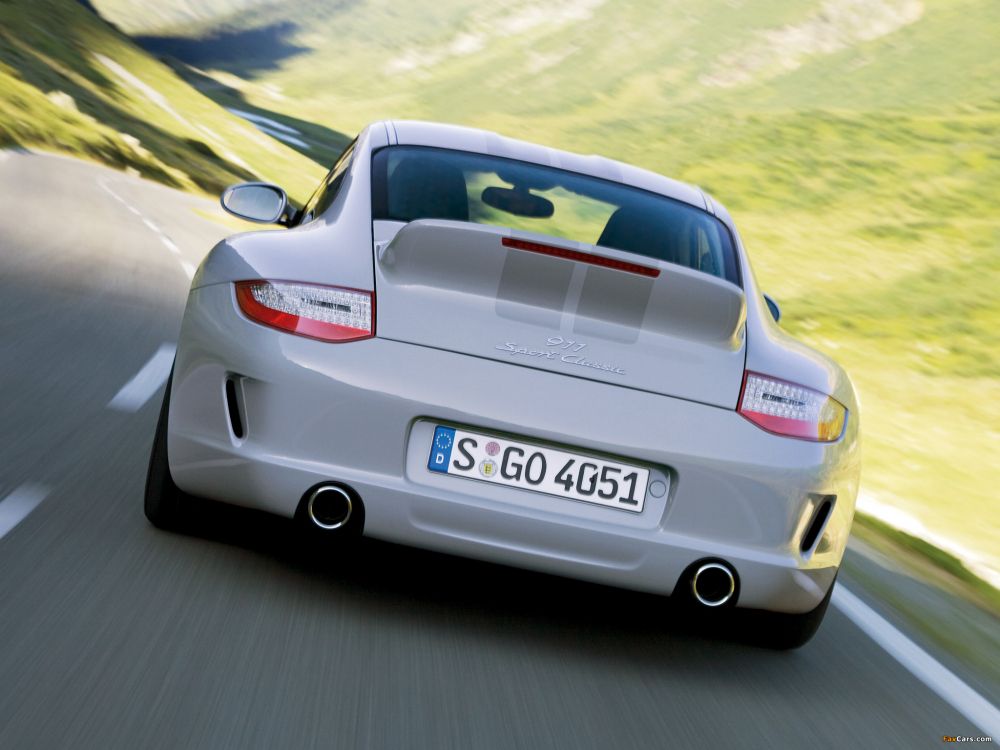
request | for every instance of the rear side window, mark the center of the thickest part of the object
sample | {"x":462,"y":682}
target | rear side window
{"x":328,"y":189}
{"x":417,"y":182}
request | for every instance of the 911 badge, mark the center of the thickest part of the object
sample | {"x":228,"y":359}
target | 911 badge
{"x":559,"y":349}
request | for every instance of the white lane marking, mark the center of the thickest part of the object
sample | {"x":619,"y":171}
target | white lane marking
{"x":922,"y":665}
{"x":146,"y":382}
{"x":151,"y":226}
{"x":18,"y":504}
{"x":107,"y":189}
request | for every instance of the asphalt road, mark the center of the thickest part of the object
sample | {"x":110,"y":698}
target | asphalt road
{"x":116,"y":635}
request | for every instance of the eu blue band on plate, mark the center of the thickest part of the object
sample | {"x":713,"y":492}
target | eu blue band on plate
{"x":444,"y":439}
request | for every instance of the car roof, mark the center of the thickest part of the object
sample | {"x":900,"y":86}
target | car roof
{"x":440,"y":135}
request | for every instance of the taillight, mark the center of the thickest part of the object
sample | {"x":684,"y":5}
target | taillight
{"x":327,"y":313}
{"x":793,"y":410}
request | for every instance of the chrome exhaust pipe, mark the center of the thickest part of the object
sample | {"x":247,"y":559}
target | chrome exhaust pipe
{"x":713,"y":584}
{"x":329,"y":507}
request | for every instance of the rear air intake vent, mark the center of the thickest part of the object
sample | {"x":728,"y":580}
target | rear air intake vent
{"x":812,"y":534}
{"x":233,"y":407}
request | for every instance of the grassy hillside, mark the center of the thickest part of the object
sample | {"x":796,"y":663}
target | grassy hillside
{"x":136,"y":17}
{"x":548,"y":66}
{"x":71,"y":83}
{"x":857,"y":143}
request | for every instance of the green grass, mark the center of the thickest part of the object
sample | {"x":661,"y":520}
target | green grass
{"x":62,"y":89}
{"x":926,"y":560}
{"x":163,"y":17}
{"x":957,"y":612}
{"x":864,"y":178}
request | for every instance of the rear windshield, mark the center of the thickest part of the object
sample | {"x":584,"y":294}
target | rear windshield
{"x":417,"y":182}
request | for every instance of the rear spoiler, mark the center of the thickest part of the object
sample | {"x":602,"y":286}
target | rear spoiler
{"x":611,"y":288}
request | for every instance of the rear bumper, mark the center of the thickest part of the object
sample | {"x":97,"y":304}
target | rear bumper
{"x":363,"y":414}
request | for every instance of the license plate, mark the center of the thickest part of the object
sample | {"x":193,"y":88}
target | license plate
{"x":516,"y":463}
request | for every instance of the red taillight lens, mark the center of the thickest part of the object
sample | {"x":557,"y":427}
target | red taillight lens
{"x":792,"y":410}
{"x":327,"y":313}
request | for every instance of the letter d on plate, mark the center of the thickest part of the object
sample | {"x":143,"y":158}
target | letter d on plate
{"x":444,"y":439}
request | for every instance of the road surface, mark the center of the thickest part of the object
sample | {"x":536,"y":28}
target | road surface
{"x":116,"y":635}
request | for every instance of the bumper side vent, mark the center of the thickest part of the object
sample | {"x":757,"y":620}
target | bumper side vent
{"x":233,"y":407}
{"x":819,"y":520}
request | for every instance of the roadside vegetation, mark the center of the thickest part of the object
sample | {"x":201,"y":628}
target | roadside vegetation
{"x":930,"y":591}
{"x":856,"y":142}
{"x":71,"y":83}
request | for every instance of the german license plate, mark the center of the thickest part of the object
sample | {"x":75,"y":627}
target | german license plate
{"x":517,"y":463}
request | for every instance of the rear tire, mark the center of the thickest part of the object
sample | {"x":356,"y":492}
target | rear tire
{"x":166,"y":506}
{"x":786,"y":632}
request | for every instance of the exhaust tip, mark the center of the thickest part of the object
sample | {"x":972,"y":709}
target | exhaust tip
{"x":329,"y":507}
{"x":713,"y":584}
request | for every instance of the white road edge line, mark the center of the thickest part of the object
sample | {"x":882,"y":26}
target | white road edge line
{"x":146,"y":382}
{"x":107,"y":189}
{"x":188,"y":268}
{"x":922,"y":665}
{"x":16,"y":506}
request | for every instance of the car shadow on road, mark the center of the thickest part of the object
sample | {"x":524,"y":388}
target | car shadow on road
{"x":480,"y":594}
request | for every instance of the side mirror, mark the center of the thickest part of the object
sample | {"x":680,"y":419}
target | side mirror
{"x":257,"y":201}
{"x":773,"y":307}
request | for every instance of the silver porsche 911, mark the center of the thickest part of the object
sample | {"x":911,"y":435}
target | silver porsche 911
{"x":494,"y":349}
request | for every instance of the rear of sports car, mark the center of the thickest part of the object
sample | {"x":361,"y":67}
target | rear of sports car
{"x":471,"y":377}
